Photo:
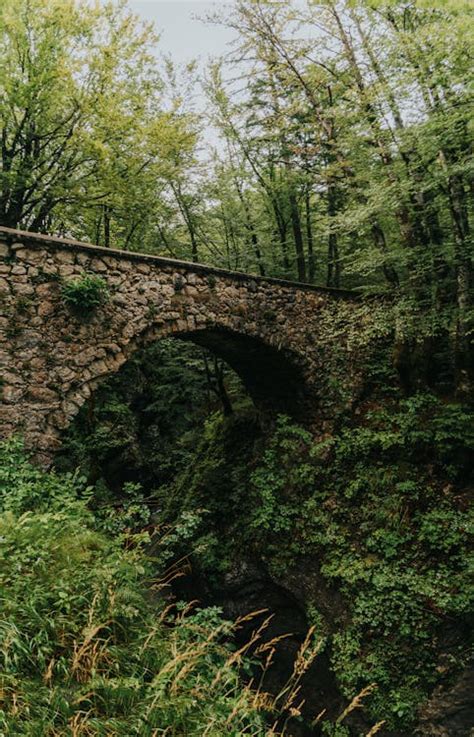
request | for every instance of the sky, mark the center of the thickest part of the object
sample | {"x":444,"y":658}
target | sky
{"x":182,"y":35}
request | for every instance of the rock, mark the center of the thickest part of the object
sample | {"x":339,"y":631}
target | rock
{"x":24,"y":290}
{"x":98,"y":265}
{"x":142,"y":268}
{"x":41,"y":394}
{"x":12,"y":393}
{"x":46,"y":308}
{"x":64,"y":257}
{"x":65,"y":270}
{"x":83,"y":259}
{"x":43,"y":291}
{"x":450,"y":710}
{"x":99,"y":368}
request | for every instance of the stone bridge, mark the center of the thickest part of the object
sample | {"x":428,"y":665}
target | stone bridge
{"x":268,"y":330}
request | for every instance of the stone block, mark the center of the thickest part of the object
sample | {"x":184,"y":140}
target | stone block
{"x":83,"y":259}
{"x":66,"y":270}
{"x":12,"y":394}
{"x":65,"y":257}
{"x":46,"y":308}
{"x":142,"y":268}
{"x":24,"y":290}
{"x":98,"y":265}
{"x":41,"y":394}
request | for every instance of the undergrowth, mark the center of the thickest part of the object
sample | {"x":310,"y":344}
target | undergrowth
{"x":377,"y":514}
{"x":90,"y":643}
{"x":83,"y":651}
{"x":85,"y":294}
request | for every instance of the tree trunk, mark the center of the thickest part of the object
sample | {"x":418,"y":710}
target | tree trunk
{"x":297,"y":235}
{"x":309,"y":236}
{"x":464,"y":287}
{"x":281,"y":229}
{"x":106,"y":226}
{"x":251,"y":229}
{"x":334,"y":267}
{"x":389,"y":271}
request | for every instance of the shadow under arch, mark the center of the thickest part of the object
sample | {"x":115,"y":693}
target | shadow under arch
{"x":273,"y":377}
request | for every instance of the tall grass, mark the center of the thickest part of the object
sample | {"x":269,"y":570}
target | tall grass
{"x":84,"y":650}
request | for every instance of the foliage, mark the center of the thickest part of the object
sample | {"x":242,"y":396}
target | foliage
{"x":378,"y":512}
{"x":84,"y":294}
{"x":327,"y":160}
{"x":82,"y":650}
{"x":87,"y":140}
{"x":85,"y":650}
{"x":141,"y":426}
{"x":343,"y":156}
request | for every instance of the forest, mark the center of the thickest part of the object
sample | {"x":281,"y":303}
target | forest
{"x":191,"y":565}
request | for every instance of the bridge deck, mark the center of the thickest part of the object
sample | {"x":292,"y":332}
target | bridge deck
{"x":11,"y":235}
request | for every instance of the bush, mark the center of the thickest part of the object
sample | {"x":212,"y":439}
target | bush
{"x":82,"y":651}
{"x":377,"y":513}
{"x":376,"y":505}
{"x":84,"y":294}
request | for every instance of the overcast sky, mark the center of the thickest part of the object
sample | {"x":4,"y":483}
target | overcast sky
{"x":182,"y":35}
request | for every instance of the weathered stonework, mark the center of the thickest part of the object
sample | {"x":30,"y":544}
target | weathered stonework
{"x":51,"y":361}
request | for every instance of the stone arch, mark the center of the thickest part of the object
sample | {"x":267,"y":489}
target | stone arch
{"x":273,"y":376}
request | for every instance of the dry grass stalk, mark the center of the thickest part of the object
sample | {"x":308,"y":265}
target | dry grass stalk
{"x":255,"y":637}
{"x":356,"y":702}
{"x":178,"y":569}
{"x":304,"y":660}
{"x":248,"y":617}
{"x":237,"y":656}
{"x":265,"y":667}
{"x":270,"y":645}
{"x":79,"y":727}
{"x":261,"y":700}
{"x":317,"y":719}
{"x":153,"y":632}
{"x":376,"y":728}
{"x":48,"y":674}
{"x":9,"y":701}
{"x":15,"y":705}
{"x":194,"y":656}
{"x":87,"y":656}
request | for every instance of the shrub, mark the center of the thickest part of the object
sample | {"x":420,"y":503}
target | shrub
{"x":82,"y":649}
{"x":84,"y":294}
{"x":381,"y":508}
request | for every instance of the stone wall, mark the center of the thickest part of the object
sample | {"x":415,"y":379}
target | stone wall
{"x":51,"y":361}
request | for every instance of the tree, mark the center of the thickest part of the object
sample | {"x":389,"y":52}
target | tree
{"x":355,"y":120}
{"x":85,"y":140}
